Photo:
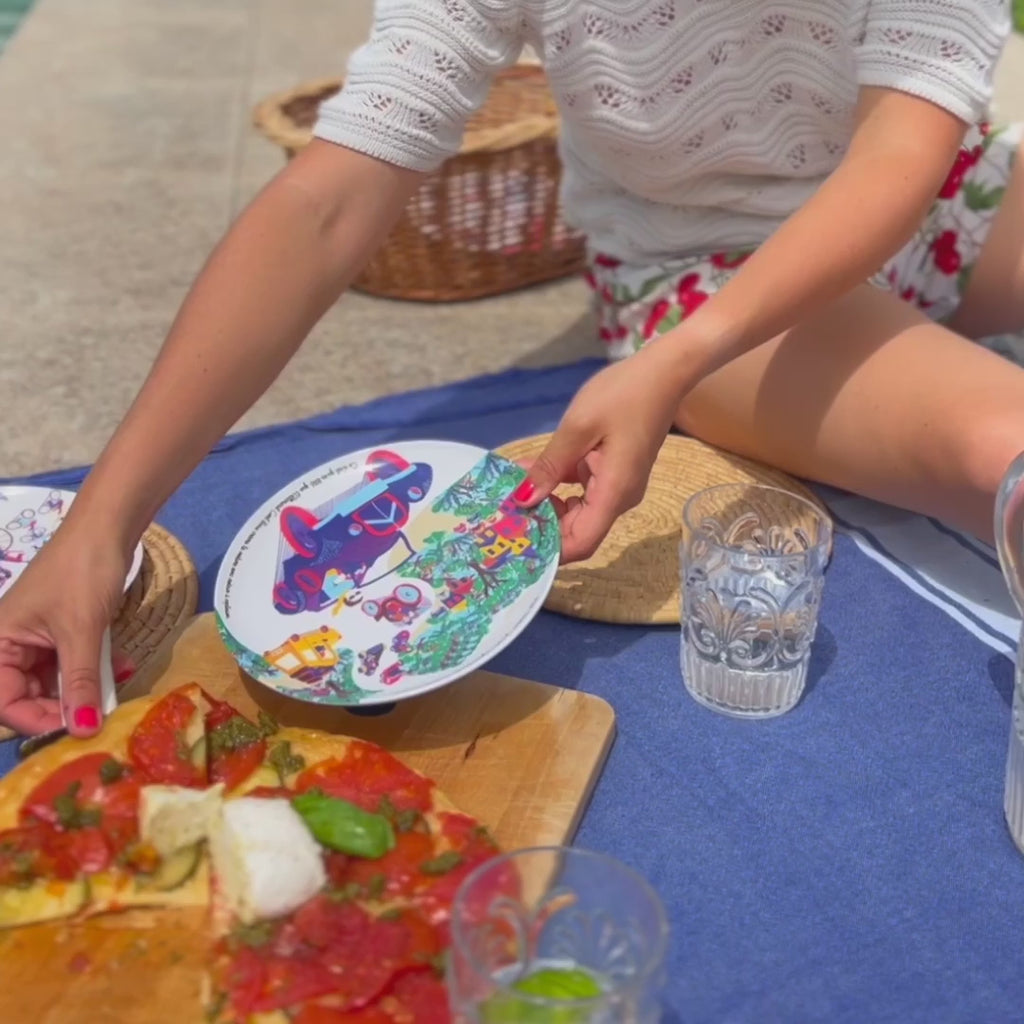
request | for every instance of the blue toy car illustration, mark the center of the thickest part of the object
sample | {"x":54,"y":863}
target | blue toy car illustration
{"x":334,"y":548}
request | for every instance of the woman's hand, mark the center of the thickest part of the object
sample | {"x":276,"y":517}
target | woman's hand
{"x":607,"y":441}
{"x":55,"y":613}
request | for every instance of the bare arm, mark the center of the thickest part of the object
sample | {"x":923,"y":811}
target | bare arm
{"x":286,"y":260}
{"x":902,"y":149}
{"x":865,"y":211}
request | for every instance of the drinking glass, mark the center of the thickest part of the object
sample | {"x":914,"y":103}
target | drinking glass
{"x":1013,"y":783}
{"x":752,"y":561}
{"x":1009,"y":531}
{"x":556,"y":935}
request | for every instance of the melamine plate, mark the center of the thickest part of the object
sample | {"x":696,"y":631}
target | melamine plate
{"x":28,"y":518}
{"x":385,"y":574}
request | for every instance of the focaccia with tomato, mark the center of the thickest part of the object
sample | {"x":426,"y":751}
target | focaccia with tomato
{"x":328,"y":866}
{"x":70,"y":839}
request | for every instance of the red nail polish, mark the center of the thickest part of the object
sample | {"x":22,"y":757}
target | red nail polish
{"x":87,"y":717}
{"x":525,"y":491}
{"x":124,"y":675}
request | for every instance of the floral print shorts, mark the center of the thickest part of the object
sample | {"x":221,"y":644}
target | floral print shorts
{"x":638,"y":303}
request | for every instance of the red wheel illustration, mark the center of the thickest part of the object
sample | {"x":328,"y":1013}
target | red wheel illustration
{"x":297,"y":528}
{"x":394,"y":611}
{"x":287,"y":600}
{"x":309,"y":581}
{"x":383,"y":464}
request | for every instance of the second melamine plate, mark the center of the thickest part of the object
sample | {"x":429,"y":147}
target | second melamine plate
{"x":28,"y":518}
{"x":385,"y":574}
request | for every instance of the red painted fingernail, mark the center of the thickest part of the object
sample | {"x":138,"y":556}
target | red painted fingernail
{"x":124,"y":674}
{"x":87,"y":717}
{"x":525,"y":491}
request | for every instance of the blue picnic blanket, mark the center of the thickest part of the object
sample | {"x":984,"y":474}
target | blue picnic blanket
{"x":845,"y":862}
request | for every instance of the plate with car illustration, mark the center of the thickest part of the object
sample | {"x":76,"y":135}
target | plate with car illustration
{"x":28,"y":518}
{"x":385,"y":574}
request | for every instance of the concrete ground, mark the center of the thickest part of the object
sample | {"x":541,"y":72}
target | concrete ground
{"x":128,"y":148}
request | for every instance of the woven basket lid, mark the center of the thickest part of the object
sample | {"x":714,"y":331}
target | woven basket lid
{"x":634,"y":576}
{"x":162,"y":597}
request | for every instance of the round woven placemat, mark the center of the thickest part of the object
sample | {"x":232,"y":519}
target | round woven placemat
{"x":162,"y":597}
{"x":634,"y":576}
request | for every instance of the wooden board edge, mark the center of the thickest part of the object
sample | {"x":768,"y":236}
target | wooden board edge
{"x":598,"y":769}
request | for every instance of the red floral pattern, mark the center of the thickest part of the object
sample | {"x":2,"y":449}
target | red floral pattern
{"x":638,"y":303}
{"x":965,"y":160}
{"x":659,"y":311}
{"x":947,"y":259}
{"x":688,"y":295}
{"x":730,"y":260}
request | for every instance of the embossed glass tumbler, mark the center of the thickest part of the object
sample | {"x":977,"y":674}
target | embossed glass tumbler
{"x":752,"y":561}
{"x":555,"y":935}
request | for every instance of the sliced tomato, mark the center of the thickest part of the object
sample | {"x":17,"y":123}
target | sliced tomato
{"x":117,"y":798}
{"x":235,"y":766}
{"x":422,"y":943}
{"x":364,"y":775}
{"x":290,"y":968}
{"x":86,"y":848}
{"x":400,"y":866}
{"x":392,"y":942}
{"x":432,"y":891}
{"x":331,"y":951}
{"x":41,"y":850}
{"x":435,"y":896}
{"x":259,"y":980}
{"x":387,"y":948}
{"x":232,"y":767}
{"x":288,"y":982}
{"x":418,"y":997}
{"x":23,"y":855}
{"x":220,"y":712}
{"x":323,"y":922}
{"x":474,"y":846}
{"x":242,"y":978}
{"x":317,"y":1013}
{"x":157,"y":745}
{"x":364,"y":954}
{"x":464,"y":831}
{"x":336,"y":865}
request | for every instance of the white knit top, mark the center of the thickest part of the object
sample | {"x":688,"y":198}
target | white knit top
{"x":689,"y":126}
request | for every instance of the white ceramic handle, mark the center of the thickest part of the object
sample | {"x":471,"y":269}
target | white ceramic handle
{"x":108,"y":689}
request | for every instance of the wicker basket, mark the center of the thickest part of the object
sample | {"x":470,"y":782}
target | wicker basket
{"x":488,"y":220}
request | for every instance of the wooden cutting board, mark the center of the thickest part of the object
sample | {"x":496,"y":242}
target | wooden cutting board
{"x":521,"y":756}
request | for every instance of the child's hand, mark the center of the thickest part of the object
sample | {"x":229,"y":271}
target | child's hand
{"x":56,"y":612}
{"x":607,"y":441}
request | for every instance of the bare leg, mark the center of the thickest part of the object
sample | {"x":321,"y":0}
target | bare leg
{"x":872,"y":397}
